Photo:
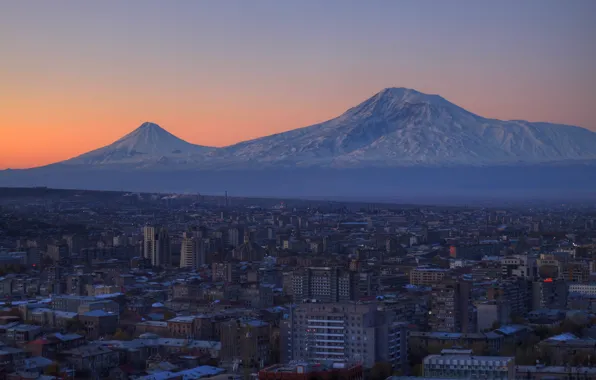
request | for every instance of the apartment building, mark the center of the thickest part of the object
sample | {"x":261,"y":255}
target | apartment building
{"x":584,"y":289}
{"x":427,"y":276}
{"x":323,"y":284}
{"x":461,"y":364}
{"x":343,"y":332}
{"x":451,"y":309}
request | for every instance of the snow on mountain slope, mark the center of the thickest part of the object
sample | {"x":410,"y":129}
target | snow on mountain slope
{"x":403,"y":127}
{"x":396,"y":127}
{"x":148,"y":144}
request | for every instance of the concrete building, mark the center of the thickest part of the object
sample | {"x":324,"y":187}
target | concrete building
{"x":427,"y":276}
{"x":584,"y":289}
{"x":235,"y":236}
{"x":246,"y":340}
{"x":343,"y":333}
{"x":323,"y":284}
{"x":515,"y":292}
{"x":491,"y":312}
{"x":451,"y":309}
{"x":99,"y":323}
{"x":489,"y":342}
{"x":156,"y":246}
{"x":549,"y":294}
{"x":461,"y":364}
{"x":523,"y":266}
{"x":542,"y":372}
{"x":192,"y":252}
{"x":312,"y":370}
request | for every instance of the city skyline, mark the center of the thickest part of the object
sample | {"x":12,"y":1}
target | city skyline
{"x":79,"y":76}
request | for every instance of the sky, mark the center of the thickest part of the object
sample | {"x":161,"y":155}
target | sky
{"x":77,"y":75}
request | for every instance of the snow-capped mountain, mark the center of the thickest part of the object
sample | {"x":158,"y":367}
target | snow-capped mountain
{"x":146,"y":145}
{"x":403,"y":127}
{"x":399,"y":144}
{"x":397,"y":127}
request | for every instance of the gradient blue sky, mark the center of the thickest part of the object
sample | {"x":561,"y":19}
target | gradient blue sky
{"x":77,"y":75}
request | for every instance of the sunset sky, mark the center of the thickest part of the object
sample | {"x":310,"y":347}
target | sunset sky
{"x":77,"y":75}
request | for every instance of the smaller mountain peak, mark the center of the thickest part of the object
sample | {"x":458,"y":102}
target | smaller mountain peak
{"x":149,"y":125}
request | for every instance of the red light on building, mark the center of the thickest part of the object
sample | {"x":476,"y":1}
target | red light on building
{"x":548,"y":280}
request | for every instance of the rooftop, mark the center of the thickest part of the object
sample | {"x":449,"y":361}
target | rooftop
{"x":306,"y":367}
{"x":189,"y":374}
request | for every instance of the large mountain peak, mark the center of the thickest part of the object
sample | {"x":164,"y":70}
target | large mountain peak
{"x":401,"y":126}
{"x":393,"y":101}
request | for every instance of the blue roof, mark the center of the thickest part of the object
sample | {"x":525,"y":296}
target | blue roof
{"x":98,"y":313}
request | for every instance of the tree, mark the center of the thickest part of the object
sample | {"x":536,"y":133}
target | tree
{"x":568,"y":326}
{"x":52,"y":370}
{"x":517,"y":319}
{"x":169,"y":315}
{"x":418,"y":370}
{"x":74,"y":325}
{"x":381,"y":371}
{"x":122,"y":335}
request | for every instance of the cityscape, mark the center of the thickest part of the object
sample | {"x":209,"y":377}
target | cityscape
{"x":297,"y":190}
{"x":166,"y":286}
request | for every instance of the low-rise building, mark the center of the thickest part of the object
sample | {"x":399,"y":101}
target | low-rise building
{"x":92,"y":357}
{"x":99,"y":323}
{"x":462,"y":364}
{"x":312,"y":370}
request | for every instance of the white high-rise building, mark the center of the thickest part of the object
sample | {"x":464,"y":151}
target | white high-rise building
{"x":344,"y":332}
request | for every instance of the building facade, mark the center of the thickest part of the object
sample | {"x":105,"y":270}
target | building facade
{"x":461,"y":364}
{"x":343,"y":332}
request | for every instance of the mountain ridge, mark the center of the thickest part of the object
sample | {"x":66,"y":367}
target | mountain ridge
{"x":397,"y":144}
{"x":395,"y":127}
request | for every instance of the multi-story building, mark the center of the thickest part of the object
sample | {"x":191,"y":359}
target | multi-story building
{"x":584,"y":289}
{"x":227,"y":272}
{"x":192,"y":252}
{"x":562,"y":349}
{"x":182,"y":327}
{"x":515,"y":292}
{"x":542,"y":372}
{"x":99,"y":323}
{"x":323,"y":284}
{"x":343,"y":332}
{"x":523,"y":266}
{"x":246,"y":340}
{"x":235,"y":236}
{"x":73,"y":304}
{"x":461,"y":364}
{"x":427,"y":276}
{"x":58,"y":252}
{"x":312,"y":370}
{"x":491,"y":312}
{"x":451,"y":309}
{"x":156,"y":246}
{"x":576,"y":271}
{"x":480,"y":343}
{"x":549,"y":294}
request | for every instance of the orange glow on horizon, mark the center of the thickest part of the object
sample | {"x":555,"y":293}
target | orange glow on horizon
{"x":45,"y":128}
{"x":79,"y":75}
